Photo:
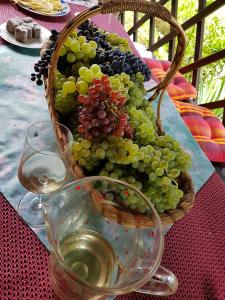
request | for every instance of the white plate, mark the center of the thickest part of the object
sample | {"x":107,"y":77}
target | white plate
{"x":65,"y":10}
{"x":31,"y":43}
{"x":87,"y":3}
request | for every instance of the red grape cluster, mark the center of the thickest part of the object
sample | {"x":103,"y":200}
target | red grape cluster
{"x":102,"y":111}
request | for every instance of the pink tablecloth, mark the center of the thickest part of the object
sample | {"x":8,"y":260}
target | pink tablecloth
{"x":194,"y":251}
{"x":106,"y":23}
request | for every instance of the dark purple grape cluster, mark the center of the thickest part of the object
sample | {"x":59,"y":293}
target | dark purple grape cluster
{"x":112,"y":61}
{"x":115,"y":61}
{"x":41,"y":67}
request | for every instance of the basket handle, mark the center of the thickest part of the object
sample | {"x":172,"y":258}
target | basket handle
{"x":152,"y":9}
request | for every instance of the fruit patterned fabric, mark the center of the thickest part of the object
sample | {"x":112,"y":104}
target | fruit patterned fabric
{"x":206,"y":128}
{"x":179,"y":88}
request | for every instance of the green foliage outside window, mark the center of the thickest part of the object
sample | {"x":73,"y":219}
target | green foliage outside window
{"x":212,"y":83}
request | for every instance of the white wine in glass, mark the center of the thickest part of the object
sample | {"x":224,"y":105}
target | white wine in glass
{"x":43,"y":167}
{"x":42,"y":173}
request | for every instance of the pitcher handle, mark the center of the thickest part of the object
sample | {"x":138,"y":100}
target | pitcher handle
{"x":163,"y":283}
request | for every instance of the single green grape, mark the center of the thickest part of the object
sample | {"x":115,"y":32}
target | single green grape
{"x":141,"y":209}
{"x":159,"y":171}
{"x":68,"y":42}
{"x":85,"y":48}
{"x":75,"y":46}
{"x":99,"y":75}
{"x":63,"y":51}
{"x":68,"y":87}
{"x":82,"y":71}
{"x":92,"y":53}
{"x":82,"y":39}
{"x":100,"y":153}
{"x":131,"y":179}
{"x":71,"y":78}
{"x":104,"y":173}
{"x":89,"y":75}
{"x":82,"y":87}
{"x":81,"y":78}
{"x":95,"y":68}
{"x":174,"y":173}
{"x":133,"y":199}
{"x":93,"y":44}
{"x":85,"y":153}
{"x":71,"y":57}
{"x":79,"y":55}
{"x":114,"y":175}
{"x":109,"y":166}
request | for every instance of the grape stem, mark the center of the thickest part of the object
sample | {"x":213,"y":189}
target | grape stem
{"x":174,"y":181}
{"x":110,"y":107}
{"x":114,"y":110}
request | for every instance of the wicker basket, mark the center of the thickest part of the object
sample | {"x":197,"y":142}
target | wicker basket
{"x":152,"y":9}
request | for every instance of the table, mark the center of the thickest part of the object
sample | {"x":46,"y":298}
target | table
{"x":194,"y":251}
{"x":194,"y":247}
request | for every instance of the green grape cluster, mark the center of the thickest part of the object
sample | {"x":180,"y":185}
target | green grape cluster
{"x":67,"y":89}
{"x":136,"y":97}
{"x":65,"y":97}
{"x":152,"y":168}
{"x":125,"y":196}
{"x":138,"y":78}
{"x":130,"y":86}
{"x":144,"y":127}
{"x":152,"y":176}
{"x":86,"y":76}
{"x":121,"y":82}
{"x":122,"y":151}
{"x":165,"y":197}
{"x":162,"y":166}
{"x":176,"y":157}
{"x":133,"y":202}
{"x":137,"y":93}
{"x":113,"y":149}
{"x":149,"y":112}
{"x":116,"y":41}
{"x":87,"y":154}
{"x":77,"y":48}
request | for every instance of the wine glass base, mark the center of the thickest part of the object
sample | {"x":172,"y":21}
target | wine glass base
{"x":30,"y":209}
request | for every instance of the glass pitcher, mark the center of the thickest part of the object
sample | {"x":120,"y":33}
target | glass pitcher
{"x":96,"y":252}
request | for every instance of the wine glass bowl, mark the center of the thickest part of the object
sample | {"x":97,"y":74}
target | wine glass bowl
{"x":43,"y":166}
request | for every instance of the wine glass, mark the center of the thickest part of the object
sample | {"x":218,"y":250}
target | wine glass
{"x":43,"y":166}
